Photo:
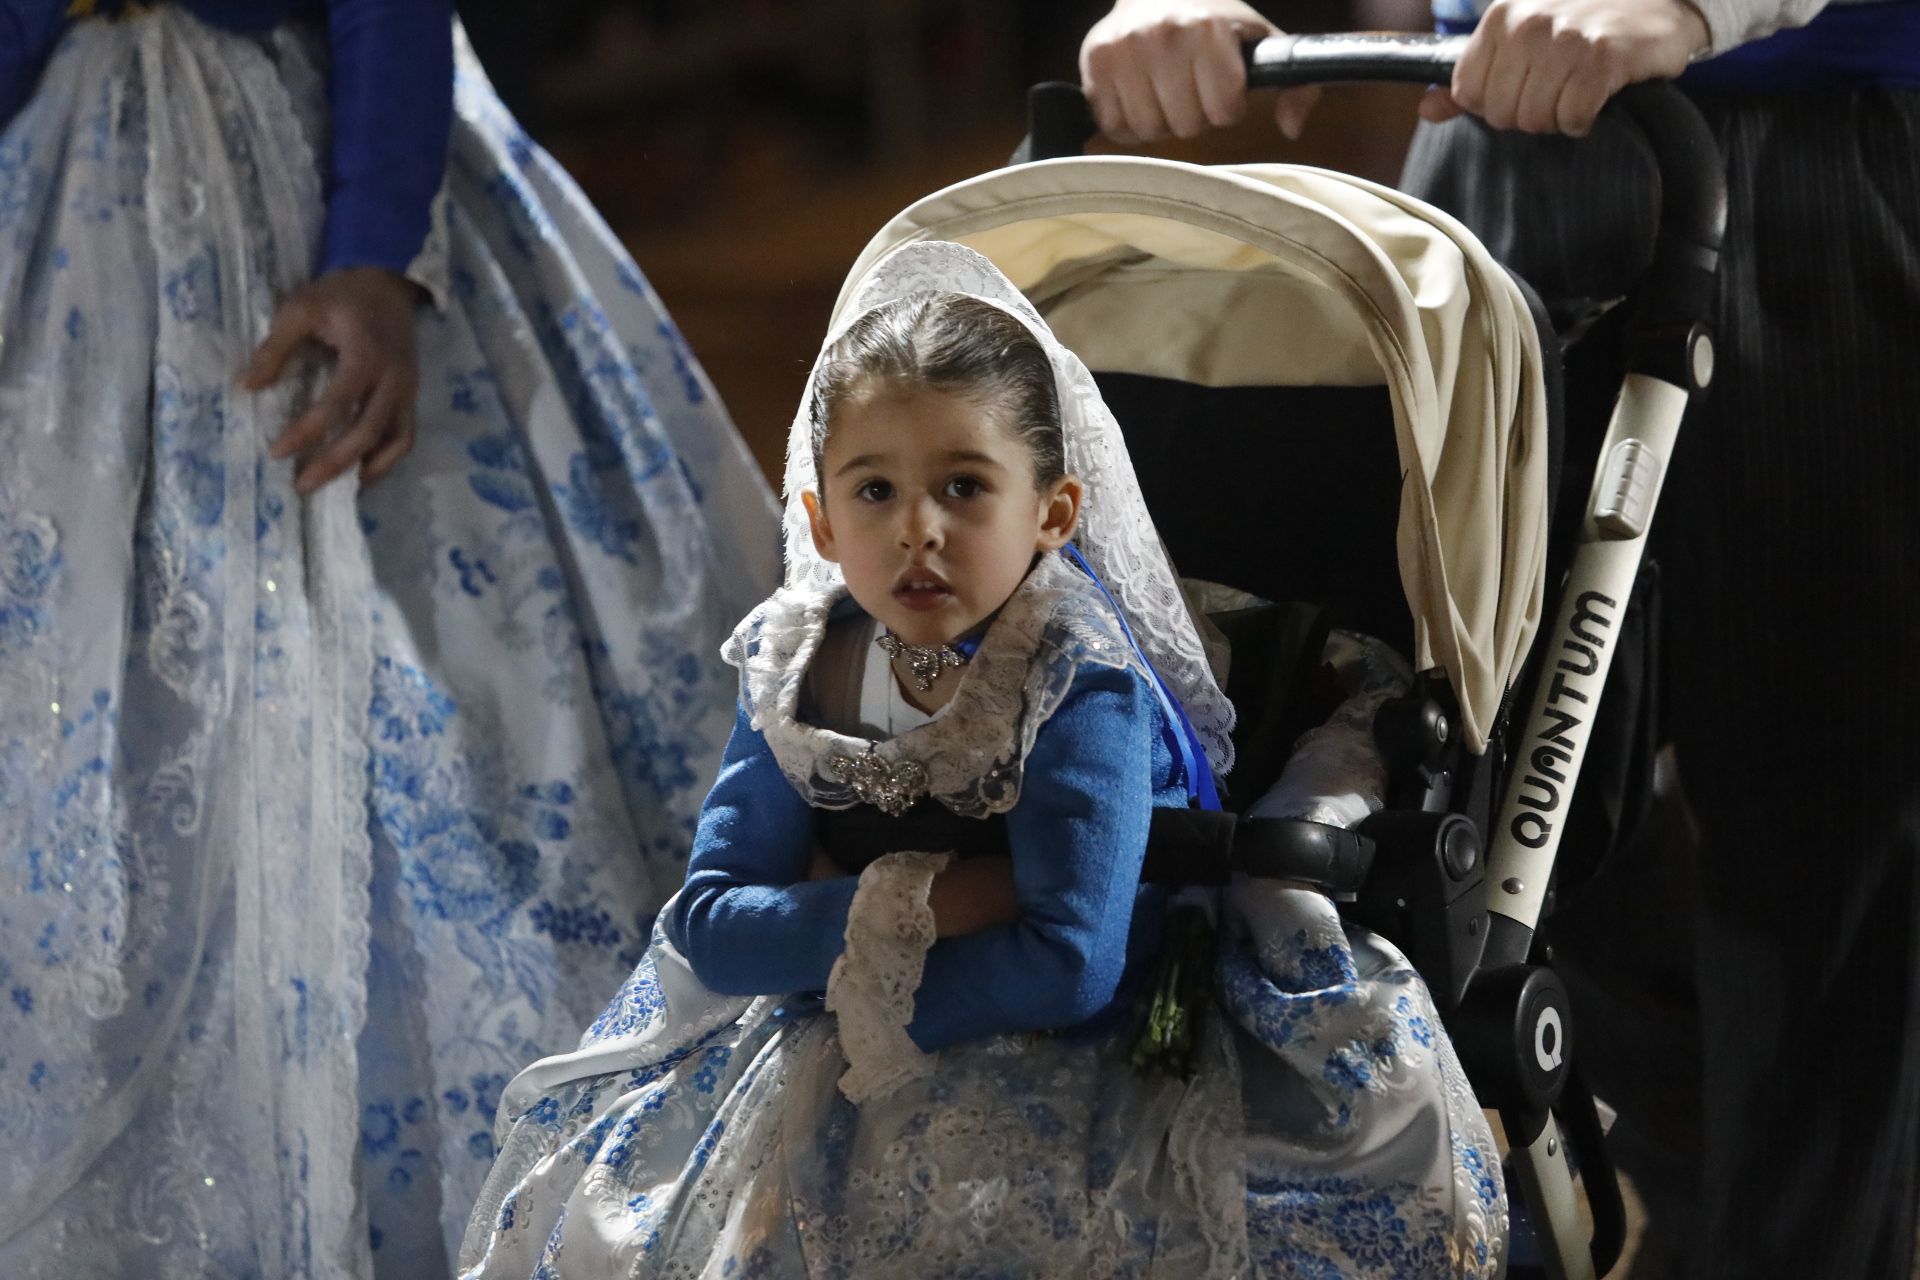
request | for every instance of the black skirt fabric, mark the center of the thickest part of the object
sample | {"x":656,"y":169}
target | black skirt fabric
{"x":1789,"y":536}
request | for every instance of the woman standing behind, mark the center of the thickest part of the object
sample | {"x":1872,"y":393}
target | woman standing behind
{"x":320,"y":812}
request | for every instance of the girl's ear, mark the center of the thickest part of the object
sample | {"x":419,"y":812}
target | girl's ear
{"x":1059,"y":514}
{"x":818,"y":524}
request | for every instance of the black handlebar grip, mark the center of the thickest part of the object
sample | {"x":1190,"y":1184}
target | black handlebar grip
{"x":1280,"y":62}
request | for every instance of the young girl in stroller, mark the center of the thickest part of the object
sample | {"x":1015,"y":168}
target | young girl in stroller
{"x":980,"y":649}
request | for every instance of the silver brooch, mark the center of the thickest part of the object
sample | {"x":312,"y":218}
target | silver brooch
{"x":925,"y":661}
{"x":890,"y":788}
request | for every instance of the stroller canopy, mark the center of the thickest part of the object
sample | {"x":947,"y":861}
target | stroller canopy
{"x":1285,"y":276}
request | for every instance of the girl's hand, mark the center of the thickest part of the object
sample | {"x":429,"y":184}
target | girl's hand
{"x":364,"y":315}
{"x":973,"y":894}
{"x":1153,"y":68}
{"x":1548,"y":66}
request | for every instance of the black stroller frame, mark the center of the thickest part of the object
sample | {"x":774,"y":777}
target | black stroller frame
{"x":1459,"y":869}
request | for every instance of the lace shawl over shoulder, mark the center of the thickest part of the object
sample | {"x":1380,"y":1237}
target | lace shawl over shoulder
{"x":971,"y":758}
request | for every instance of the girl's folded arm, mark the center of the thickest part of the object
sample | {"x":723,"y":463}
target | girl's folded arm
{"x":748,"y":920}
{"x":1078,"y":837}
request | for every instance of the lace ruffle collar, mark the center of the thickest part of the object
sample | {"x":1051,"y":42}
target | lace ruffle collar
{"x":971,"y":757}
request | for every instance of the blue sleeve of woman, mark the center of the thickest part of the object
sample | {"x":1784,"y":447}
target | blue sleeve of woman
{"x":748,"y":920}
{"x":1078,"y":836}
{"x":28,"y":31}
{"x":391,"y":87}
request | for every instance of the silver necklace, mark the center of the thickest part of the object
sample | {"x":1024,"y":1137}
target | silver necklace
{"x":925,"y":661}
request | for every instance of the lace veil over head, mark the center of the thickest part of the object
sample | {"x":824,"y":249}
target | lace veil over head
{"x":1116,"y":534}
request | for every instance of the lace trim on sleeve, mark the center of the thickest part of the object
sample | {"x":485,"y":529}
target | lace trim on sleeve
{"x":871,"y":989}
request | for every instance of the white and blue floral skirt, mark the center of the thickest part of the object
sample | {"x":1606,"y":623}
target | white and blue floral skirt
{"x":1328,"y":1133}
{"x":320,"y":817}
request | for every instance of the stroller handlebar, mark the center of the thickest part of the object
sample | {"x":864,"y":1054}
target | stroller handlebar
{"x":1678,"y":286}
{"x":1676,"y":292}
{"x":1278,"y":62}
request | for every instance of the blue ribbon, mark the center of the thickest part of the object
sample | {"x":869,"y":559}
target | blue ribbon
{"x":1181,"y":735}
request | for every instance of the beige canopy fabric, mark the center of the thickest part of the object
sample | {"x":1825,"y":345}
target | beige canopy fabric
{"x":1281,"y":275}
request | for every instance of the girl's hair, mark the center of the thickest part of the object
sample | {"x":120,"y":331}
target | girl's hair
{"x":958,"y":344}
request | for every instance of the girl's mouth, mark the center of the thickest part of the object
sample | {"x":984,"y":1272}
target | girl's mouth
{"x":921,"y":591}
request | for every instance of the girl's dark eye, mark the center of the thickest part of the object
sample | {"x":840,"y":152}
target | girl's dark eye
{"x":874,"y":491}
{"x":964,"y":487}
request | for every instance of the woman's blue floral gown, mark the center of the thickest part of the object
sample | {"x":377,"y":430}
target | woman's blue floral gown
{"x":320,"y":817}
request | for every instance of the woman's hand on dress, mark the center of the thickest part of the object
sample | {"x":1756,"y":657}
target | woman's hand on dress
{"x":1158,"y":68}
{"x":365,"y":414}
{"x":1548,"y":66}
{"x":972,"y":894}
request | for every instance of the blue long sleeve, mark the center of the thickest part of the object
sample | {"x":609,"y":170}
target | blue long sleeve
{"x":748,"y":920}
{"x":1078,"y":837}
{"x":28,"y":31}
{"x":391,"y":88}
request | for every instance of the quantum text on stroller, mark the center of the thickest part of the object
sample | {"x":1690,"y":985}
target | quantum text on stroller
{"x":1564,"y":714}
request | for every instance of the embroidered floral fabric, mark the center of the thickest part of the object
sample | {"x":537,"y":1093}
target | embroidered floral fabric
{"x":1328,"y":1132}
{"x":273,"y":770}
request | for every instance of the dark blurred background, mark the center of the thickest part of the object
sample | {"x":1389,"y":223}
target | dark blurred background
{"x":746,"y":150}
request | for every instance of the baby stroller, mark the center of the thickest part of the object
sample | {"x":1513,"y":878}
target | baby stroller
{"x":1335,"y":398}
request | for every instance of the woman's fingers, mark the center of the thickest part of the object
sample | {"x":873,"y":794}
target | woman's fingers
{"x":292,"y":325}
{"x":1291,"y":109}
{"x":368,"y":430}
{"x":1220,"y":76}
{"x":1437,"y":105}
{"x":1178,"y":98}
{"x":1581,"y":101}
{"x":1535,"y":106}
{"x":1549,"y":66}
{"x":1157,"y":69}
{"x":331,"y":409}
{"x":1469,"y":86}
{"x":1509,"y":62}
{"x":364,"y":315}
{"x":397,"y":445}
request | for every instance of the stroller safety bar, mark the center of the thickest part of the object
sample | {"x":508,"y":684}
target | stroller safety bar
{"x":1211,"y":846}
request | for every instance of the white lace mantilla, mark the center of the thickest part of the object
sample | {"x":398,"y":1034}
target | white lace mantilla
{"x":971,"y":757}
{"x":1115,"y":533}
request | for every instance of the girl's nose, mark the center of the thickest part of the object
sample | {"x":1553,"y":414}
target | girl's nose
{"x":920,"y":529}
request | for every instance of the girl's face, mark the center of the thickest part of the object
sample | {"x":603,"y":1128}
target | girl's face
{"x":929,"y":507}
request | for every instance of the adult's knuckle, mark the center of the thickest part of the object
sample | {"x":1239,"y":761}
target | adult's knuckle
{"x":1606,"y":50}
{"x":1100,"y":59}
